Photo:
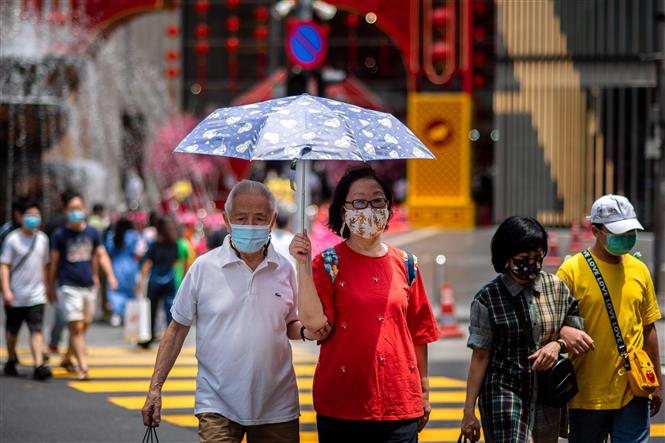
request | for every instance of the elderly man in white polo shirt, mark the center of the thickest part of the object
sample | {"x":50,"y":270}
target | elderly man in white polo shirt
{"x":242,"y":296}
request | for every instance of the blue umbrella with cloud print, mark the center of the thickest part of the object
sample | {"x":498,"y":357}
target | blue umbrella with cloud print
{"x":303,"y":127}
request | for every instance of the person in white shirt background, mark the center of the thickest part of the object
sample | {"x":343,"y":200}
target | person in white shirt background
{"x":243,"y":297}
{"x":25,"y":256}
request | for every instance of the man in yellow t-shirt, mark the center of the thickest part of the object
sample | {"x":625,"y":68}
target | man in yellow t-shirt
{"x":605,"y":403}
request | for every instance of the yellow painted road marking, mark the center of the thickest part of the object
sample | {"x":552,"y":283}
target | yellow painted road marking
{"x":141,"y":360}
{"x":131,"y":386}
{"x":136,"y":351}
{"x":658,"y":429}
{"x":135,"y":403}
{"x":135,"y":363}
{"x":132,"y":372}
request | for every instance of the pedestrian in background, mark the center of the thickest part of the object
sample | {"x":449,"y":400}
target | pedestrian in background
{"x":99,"y":220}
{"x":371,"y":383}
{"x":72,"y":279}
{"x":123,"y":243}
{"x":18,"y":206}
{"x":23,"y":266}
{"x":242,"y":297}
{"x":605,"y":403}
{"x":164,"y":267}
{"x":514,"y":330}
{"x":55,"y":223}
{"x":216,"y":238}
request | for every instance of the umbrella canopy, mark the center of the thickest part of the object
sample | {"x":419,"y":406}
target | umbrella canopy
{"x":303,"y":127}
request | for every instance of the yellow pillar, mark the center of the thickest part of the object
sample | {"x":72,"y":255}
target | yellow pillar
{"x":439,"y":192}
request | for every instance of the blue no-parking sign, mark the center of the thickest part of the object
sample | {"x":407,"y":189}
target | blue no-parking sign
{"x":306,"y":43}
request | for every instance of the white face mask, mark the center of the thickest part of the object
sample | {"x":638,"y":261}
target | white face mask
{"x":366,"y":223}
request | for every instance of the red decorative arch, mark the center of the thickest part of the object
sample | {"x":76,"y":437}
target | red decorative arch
{"x":396,"y":18}
{"x":97,"y":17}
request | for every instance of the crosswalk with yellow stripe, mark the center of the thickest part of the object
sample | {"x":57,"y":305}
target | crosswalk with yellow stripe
{"x":123,"y":376}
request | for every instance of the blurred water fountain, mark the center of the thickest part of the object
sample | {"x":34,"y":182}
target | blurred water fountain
{"x":62,"y":99}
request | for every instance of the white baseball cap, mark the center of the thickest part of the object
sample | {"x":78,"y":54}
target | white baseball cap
{"x":616,"y":213}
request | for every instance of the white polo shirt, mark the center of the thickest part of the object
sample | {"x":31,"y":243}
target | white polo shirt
{"x":245,"y":369}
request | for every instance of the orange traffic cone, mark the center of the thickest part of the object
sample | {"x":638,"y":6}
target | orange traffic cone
{"x":553,"y":258}
{"x":587,"y":234}
{"x":448,"y":322}
{"x":575,"y":238}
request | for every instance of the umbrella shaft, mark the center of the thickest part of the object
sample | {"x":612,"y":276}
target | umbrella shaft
{"x":302,"y":193}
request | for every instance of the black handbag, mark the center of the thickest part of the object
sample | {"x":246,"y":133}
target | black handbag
{"x":557,"y":385}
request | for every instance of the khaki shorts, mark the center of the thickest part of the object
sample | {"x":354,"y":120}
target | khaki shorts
{"x":77,"y":303}
{"x":219,"y":429}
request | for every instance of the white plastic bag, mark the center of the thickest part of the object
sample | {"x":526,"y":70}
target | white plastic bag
{"x":137,"y":320}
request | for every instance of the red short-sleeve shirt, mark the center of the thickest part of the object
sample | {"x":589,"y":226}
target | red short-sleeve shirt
{"x":367,"y":367}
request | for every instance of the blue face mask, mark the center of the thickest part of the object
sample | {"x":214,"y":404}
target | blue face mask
{"x":31,"y":222}
{"x":75,"y":216}
{"x":249,"y":238}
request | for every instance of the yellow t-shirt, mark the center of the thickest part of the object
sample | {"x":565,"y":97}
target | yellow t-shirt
{"x":600,"y":376}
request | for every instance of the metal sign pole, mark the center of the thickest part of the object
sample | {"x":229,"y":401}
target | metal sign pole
{"x":303,"y":166}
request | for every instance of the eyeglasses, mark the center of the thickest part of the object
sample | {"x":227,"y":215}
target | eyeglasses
{"x":360,"y":203}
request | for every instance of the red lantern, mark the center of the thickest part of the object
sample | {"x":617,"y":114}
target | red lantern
{"x":261,"y":13}
{"x":261,"y":32}
{"x":232,"y":3}
{"x":479,"y":34}
{"x":232,"y":44}
{"x":202,"y":6}
{"x":479,"y":59}
{"x":172,"y":72}
{"x":202,"y":47}
{"x":479,"y":81}
{"x":440,"y":51}
{"x":352,"y":20}
{"x":441,"y":17}
{"x":479,"y":7}
{"x":233,"y":24}
{"x":201,"y":30}
{"x":172,"y":31}
{"x":172,"y":55}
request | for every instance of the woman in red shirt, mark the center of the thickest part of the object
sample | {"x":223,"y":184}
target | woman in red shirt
{"x":371,"y":382}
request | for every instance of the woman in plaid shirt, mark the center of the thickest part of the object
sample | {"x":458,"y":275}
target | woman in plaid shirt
{"x":507,"y":350}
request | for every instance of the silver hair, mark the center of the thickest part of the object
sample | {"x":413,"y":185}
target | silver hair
{"x":249,"y":187}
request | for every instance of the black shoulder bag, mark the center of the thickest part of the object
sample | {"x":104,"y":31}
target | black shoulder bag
{"x":558,"y":384}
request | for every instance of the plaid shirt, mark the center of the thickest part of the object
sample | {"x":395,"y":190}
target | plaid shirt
{"x":507,"y":398}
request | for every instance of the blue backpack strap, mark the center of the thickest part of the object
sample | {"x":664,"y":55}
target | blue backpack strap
{"x":331,"y":263}
{"x":410,"y":262}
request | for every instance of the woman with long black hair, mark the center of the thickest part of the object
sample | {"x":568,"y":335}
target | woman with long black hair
{"x":165,"y":263}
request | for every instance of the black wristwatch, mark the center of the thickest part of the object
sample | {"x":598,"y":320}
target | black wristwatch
{"x":562,"y":345}
{"x":302,"y":333}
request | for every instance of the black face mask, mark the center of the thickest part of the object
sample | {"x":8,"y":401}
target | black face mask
{"x":524,"y":270}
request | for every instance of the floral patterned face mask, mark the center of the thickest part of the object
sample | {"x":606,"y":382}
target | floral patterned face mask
{"x":366,"y":223}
